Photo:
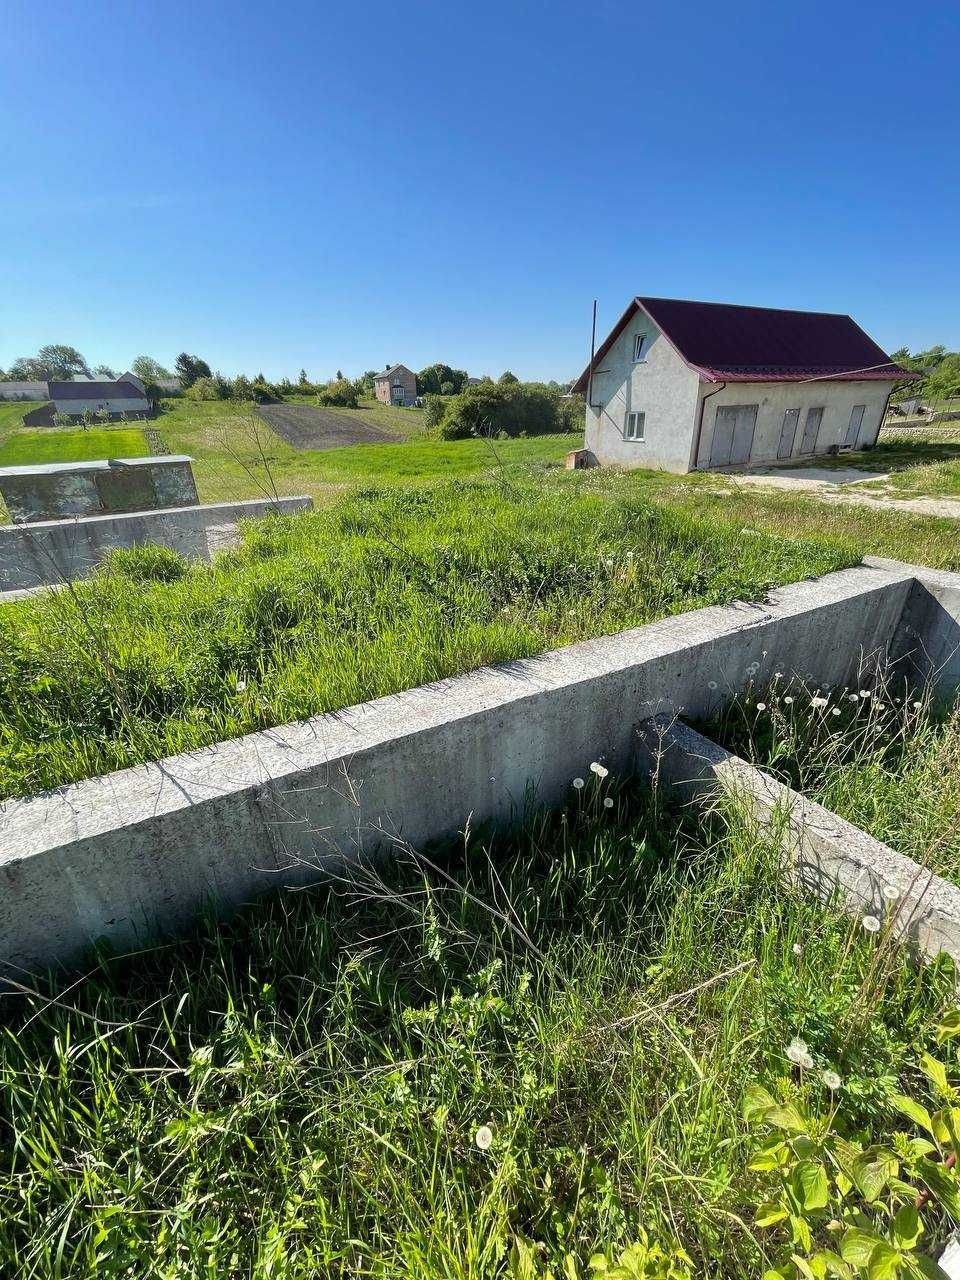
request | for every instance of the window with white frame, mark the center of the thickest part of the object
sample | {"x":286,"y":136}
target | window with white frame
{"x":639,"y":347}
{"x":633,"y":426}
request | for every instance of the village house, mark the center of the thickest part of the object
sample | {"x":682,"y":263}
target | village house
{"x":126,"y":394}
{"x":396,"y":385}
{"x":683,"y":386}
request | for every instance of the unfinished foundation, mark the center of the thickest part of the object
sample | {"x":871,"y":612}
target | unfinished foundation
{"x":138,"y":853}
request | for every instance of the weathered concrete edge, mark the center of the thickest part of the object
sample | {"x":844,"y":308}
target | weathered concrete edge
{"x":297,"y":502}
{"x":927,"y":645}
{"x":826,"y":855}
{"x":140,"y":851}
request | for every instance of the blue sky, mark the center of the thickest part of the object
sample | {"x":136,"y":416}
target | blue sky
{"x":342,"y":186}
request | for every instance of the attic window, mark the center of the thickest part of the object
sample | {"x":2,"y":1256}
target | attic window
{"x":638,"y":345}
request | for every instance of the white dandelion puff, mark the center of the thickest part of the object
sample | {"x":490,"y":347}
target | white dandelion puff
{"x":871,"y":924}
{"x":711,"y":684}
{"x":854,"y":697}
{"x":864,"y":693}
{"x":818,"y":702}
{"x":831,"y":1080}
{"x":241,"y":686}
{"x":799,"y":1054}
{"x":835,"y":711}
{"x":890,"y":892}
{"x":761,"y":706}
{"x":797,"y":949}
{"x":917,"y":706}
{"x":881,"y":706}
{"x":788,"y":700}
{"x":599,"y":770}
{"x":578,"y":784}
{"x":484,"y":1137}
{"x":607,"y":803}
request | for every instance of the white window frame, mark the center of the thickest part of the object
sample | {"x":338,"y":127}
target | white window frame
{"x":634,"y":426}
{"x":639,"y":341}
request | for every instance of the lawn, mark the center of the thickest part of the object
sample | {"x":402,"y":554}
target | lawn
{"x":49,"y":444}
{"x":383,"y":591}
{"x":517,"y":1055}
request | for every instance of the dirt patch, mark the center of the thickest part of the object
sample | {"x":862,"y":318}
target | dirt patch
{"x":304,"y":427}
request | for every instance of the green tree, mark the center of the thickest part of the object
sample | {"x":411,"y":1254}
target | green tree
{"x":56,"y":362}
{"x":104,"y":371}
{"x":431,"y":379}
{"x":507,"y":377}
{"x":189,"y":368}
{"x":149,"y":370}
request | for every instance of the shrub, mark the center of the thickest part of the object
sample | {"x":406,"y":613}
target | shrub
{"x":147,"y":563}
{"x":62,"y":419}
{"x":206,"y":389}
{"x":434,"y":407}
{"x":516,"y":408}
{"x":339,"y":392}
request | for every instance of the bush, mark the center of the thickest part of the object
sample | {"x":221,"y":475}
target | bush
{"x":434,"y":407}
{"x":147,"y":563}
{"x":340,"y":392}
{"x":62,"y":419}
{"x":206,"y":389}
{"x":514,"y":408}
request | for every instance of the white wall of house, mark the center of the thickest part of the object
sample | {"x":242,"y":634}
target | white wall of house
{"x":136,"y":404}
{"x":660,"y":386}
{"x":837,"y":400}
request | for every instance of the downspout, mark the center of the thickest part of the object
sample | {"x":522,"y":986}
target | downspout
{"x":696,"y":451}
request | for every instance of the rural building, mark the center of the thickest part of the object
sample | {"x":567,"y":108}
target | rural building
{"x":126,"y":394}
{"x":23,"y":391}
{"x":396,"y":385}
{"x":681,"y":386}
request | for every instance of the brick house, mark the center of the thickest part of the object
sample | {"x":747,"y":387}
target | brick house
{"x":396,"y":385}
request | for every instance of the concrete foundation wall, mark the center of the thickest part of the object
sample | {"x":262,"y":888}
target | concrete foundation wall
{"x":927,"y":643}
{"x":51,"y":490}
{"x":42,"y":554}
{"x":140,"y":851}
{"x":825,"y":855}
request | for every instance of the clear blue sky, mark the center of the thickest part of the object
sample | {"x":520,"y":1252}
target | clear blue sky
{"x":342,"y":185}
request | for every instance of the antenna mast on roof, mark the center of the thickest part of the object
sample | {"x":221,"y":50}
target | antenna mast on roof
{"x":593,"y":343}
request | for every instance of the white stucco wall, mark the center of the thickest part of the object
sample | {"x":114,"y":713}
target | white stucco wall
{"x":660,"y":386}
{"x":837,"y":400}
{"x":138,"y":405}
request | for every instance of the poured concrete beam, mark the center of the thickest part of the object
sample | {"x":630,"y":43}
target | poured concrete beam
{"x":823,"y":853}
{"x":141,"y":851}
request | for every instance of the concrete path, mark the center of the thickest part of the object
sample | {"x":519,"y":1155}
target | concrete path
{"x":946,"y":508}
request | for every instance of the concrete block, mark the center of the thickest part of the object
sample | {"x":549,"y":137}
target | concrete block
{"x":140,"y":851}
{"x":927,"y":643}
{"x":51,"y":490}
{"x":50,"y":552}
{"x":826,"y":856}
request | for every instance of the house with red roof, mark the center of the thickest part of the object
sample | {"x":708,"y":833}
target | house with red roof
{"x":126,"y":394}
{"x":686,"y":386}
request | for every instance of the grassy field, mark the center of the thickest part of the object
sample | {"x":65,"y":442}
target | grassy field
{"x":515,"y":1056}
{"x":381,"y":592}
{"x":24,"y":448}
{"x":404,"y":423}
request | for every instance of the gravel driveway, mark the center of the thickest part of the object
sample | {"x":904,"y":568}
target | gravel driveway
{"x":308,"y":428}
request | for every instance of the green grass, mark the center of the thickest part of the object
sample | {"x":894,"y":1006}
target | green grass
{"x":24,"y":448}
{"x":237,"y":456}
{"x":298,"y":1094}
{"x":384,"y":591}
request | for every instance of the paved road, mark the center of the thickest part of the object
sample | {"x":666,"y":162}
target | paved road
{"x":305,"y":427}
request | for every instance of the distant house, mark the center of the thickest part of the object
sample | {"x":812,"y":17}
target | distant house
{"x":684,"y":386}
{"x":126,"y":394}
{"x":396,"y":385}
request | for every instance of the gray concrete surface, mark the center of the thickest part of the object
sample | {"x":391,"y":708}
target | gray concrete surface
{"x":927,"y":642}
{"x":825,"y":855}
{"x":53,"y":551}
{"x":52,"y":490}
{"x":138,"y":852}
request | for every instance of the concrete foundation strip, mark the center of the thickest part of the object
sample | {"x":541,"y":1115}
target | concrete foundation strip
{"x":139,"y":852}
{"x":827,"y":856}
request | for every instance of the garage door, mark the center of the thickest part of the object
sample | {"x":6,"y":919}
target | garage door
{"x":733,"y":430}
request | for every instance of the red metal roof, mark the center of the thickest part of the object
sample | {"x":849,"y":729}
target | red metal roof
{"x":727,"y":343}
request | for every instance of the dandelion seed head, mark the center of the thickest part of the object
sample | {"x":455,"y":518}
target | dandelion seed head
{"x":797,"y":949}
{"x":711,"y":684}
{"x":831,"y":1080}
{"x":917,"y":706}
{"x":799,"y":1054}
{"x":788,"y":700}
{"x":835,"y":711}
{"x":881,"y":706}
{"x":864,"y":693}
{"x":241,"y":686}
{"x":818,"y":702}
{"x":484,"y":1137}
{"x":608,"y":802}
{"x":761,"y":706}
{"x":890,"y":892}
{"x":578,"y":784}
{"x":854,"y":697}
{"x":599,"y":770}
{"x":871,"y":924}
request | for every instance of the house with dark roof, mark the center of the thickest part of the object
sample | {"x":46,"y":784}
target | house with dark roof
{"x":396,"y":385}
{"x":126,"y":394}
{"x":683,"y":386}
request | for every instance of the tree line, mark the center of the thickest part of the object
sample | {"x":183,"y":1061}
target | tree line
{"x":940,"y":369}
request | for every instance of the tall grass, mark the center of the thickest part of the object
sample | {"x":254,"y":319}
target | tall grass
{"x":300,"y":1094}
{"x":385,"y":591}
{"x":882,"y":756}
